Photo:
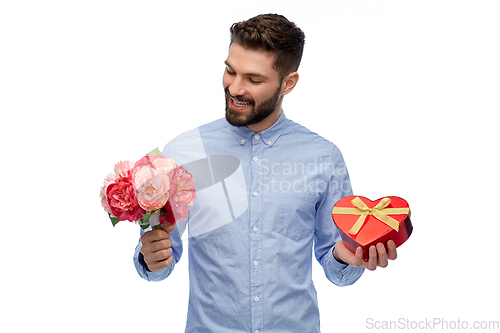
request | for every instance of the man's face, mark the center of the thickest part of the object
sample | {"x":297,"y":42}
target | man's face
{"x":252,"y":86}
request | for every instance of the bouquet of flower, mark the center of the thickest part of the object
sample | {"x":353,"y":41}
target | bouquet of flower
{"x":152,"y":186}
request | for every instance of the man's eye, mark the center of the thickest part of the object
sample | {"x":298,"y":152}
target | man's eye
{"x":255,"y":82}
{"x":229,"y":71}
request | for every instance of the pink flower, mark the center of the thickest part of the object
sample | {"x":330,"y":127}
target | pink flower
{"x":122,"y":169}
{"x":182,"y":192}
{"x":122,"y":200}
{"x":150,"y":178}
{"x":104,"y":199}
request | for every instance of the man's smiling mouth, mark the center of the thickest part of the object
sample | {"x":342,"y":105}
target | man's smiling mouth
{"x":239,"y":103}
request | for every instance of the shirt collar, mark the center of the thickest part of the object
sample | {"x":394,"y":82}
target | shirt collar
{"x":268,"y":136}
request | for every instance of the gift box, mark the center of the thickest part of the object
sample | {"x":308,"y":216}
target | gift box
{"x":363,"y":223}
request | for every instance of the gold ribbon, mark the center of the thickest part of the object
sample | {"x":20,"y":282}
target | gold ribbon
{"x":379,"y":211}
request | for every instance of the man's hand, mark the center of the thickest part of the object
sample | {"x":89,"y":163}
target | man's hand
{"x":377,"y":256}
{"x":157,"y":248}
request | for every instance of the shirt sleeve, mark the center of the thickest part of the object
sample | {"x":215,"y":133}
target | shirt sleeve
{"x":326,"y":233}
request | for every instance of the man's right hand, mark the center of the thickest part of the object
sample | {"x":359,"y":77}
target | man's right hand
{"x":157,"y":248}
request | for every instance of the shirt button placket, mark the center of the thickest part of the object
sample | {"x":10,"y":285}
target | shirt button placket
{"x":256,"y":211}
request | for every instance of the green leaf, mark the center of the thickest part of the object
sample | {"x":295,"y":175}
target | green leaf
{"x":145,"y":217}
{"x":144,"y":226}
{"x":114,"y":220}
{"x":155,"y":151}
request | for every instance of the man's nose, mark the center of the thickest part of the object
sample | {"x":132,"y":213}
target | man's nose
{"x":236,"y":87}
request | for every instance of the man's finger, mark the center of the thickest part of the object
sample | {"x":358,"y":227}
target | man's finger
{"x":392,"y":253}
{"x":159,"y":265}
{"x":160,"y":245}
{"x":154,"y":236}
{"x":382,"y":255}
{"x":167,"y":227}
{"x":358,"y":258}
{"x":160,"y":255}
{"x":372,"y":258}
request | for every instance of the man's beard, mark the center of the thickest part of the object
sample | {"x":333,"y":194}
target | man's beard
{"x":257,"y":113}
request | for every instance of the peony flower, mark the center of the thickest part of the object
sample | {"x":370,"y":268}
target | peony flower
{"x":150,"y":178}
{"x":182,"y":192}
{"x":104,"y":199}
{"x":122,"y":169}
{"x":122,"y":200}
{"x":157,"y":162}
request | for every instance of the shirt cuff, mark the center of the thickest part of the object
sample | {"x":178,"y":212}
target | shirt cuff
{"x":339,"y":273}
{"x":337,"y":265}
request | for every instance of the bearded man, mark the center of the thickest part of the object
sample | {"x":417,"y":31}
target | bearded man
{"x":265,"y":191}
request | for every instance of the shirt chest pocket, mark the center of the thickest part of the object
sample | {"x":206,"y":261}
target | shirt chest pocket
{"x":296,"y":216}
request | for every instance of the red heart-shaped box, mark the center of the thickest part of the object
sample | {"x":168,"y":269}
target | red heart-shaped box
{"x":373,"y":230}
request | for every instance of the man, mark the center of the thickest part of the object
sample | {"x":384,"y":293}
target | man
{"x":265,"y":190}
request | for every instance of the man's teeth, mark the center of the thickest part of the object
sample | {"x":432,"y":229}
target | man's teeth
{"x":238,"y":103}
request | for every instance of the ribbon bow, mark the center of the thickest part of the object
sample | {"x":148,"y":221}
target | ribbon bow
{"x":379,"y":211}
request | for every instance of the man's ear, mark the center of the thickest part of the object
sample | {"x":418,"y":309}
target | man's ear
{"x":289,"y":83}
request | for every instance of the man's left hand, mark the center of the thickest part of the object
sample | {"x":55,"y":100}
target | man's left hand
{"x":377,"y":256}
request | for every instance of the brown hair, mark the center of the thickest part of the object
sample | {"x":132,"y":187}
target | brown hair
{"x":272,"y":33}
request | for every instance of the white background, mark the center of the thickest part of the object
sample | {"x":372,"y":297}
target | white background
{"x":409,"y":91}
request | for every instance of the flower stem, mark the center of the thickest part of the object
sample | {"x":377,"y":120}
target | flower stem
{"x":156,"y":227}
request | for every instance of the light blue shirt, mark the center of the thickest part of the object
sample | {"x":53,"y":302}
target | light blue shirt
{"x":263,"y":207}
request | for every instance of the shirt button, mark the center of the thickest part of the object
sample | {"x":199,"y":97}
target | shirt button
{"x":256,"y":298}
{"x":255,"y":229}
{"x":255,"y":263}
{"x":269,"y":143}
{"x":242,"y":140}
{"x":255,"y":193}
{"x":257,"y":137}
{"x":257,"y":331}
{"x":255,"y":158}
